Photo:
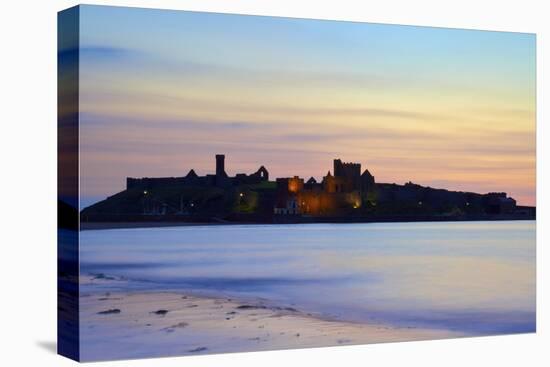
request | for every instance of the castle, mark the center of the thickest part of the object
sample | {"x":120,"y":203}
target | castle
{"x":346,"y":192}
{"x":340,"y":192}
{"x":220,"y":179}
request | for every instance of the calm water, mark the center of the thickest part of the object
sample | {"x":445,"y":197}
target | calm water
{"x":474,"y":277}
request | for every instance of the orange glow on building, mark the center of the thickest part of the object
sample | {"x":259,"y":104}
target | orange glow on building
{"x":295,"y":184}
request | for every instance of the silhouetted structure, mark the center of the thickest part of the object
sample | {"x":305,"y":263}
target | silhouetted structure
{"x":219,"y":179}
{"x":340,"y":193}
{"x":346,"y":194}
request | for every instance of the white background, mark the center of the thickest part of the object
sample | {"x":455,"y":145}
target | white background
{"x":28,"y":181}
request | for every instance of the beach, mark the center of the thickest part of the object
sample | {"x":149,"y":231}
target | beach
{"x":149,"y":324}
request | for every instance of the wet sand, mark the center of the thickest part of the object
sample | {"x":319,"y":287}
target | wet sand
{"x":137,"y":325}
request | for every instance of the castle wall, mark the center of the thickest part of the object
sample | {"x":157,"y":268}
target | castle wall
{"x":152,"y":182}
{"x":220,"y":179}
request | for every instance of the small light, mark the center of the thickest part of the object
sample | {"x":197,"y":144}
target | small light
{"x":144,"y":192}
{"x":467,"y":204}
{"x":419,"y":203}
{"x":192,"y":204}
{"x":241,"y":194}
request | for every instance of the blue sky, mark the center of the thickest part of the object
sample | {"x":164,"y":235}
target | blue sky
{"x":163,"y":91}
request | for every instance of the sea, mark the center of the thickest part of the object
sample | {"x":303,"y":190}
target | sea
{"x":477,"y":278}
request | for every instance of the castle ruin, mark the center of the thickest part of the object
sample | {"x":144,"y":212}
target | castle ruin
{"x":219,"y":179}
{"x":346,"y":189}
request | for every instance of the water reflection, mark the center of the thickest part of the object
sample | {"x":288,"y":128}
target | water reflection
{"x":475,"y":277}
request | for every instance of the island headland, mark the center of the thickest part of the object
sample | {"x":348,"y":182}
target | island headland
{"x":345,"y":195}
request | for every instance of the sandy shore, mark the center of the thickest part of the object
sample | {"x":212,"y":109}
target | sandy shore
{"x":136,"y":325}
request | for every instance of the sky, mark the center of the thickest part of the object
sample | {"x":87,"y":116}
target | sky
{"x":162,"y":92}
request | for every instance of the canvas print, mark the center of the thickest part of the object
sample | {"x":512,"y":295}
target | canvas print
{"x":235,"y":183}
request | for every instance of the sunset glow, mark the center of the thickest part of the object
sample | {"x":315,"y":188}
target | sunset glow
{"x":161,"y":92}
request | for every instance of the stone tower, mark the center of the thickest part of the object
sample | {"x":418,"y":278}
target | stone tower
{"x":350,"y":173}
{"x":220,"y":166}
